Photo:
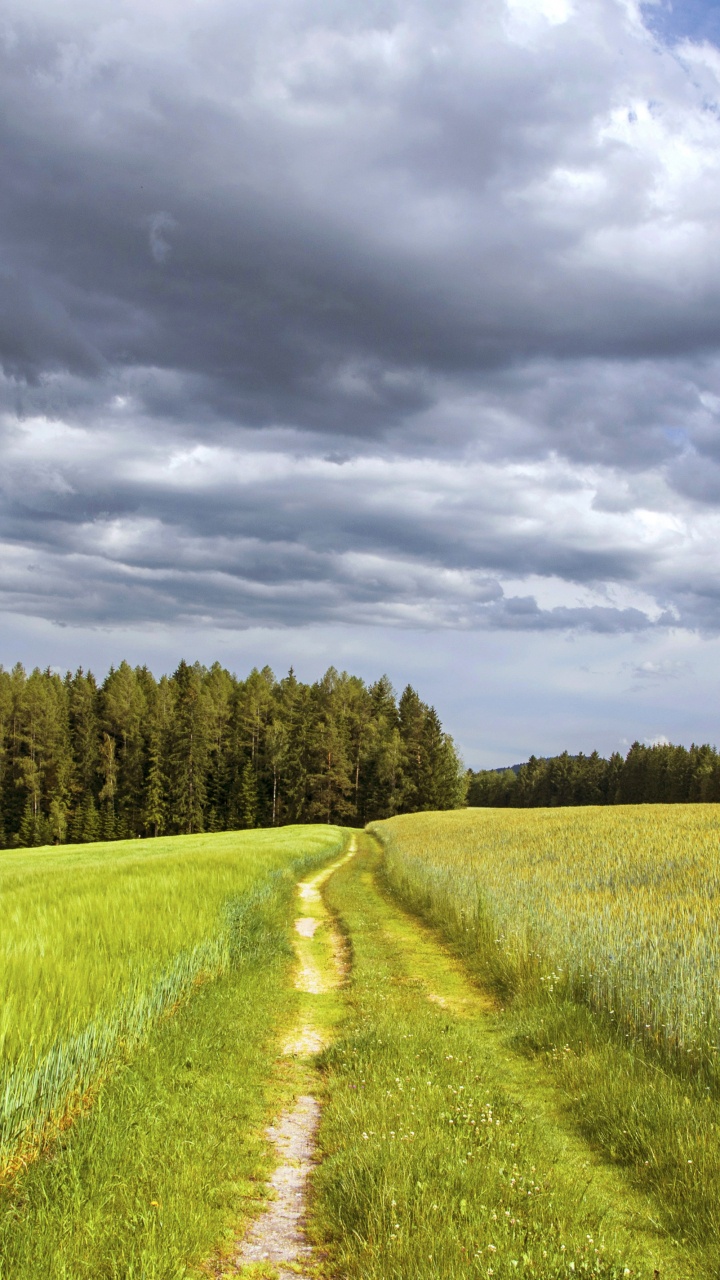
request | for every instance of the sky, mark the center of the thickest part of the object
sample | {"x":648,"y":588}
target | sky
{"x":383,"y":335}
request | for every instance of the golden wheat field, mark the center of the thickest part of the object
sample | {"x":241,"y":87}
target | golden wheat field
{"x":617,"y":906}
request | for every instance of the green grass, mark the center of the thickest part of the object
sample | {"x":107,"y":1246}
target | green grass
{"x":159,"y":1173}
{"x":97,"y":942}
{"x":446,"y":1152}
{"x":516,"y":902}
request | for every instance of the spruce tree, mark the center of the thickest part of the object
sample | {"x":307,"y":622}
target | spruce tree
{"x":411,"y":724}
{"x":329,"y":781}
{"x":248,"y":800}
{"x":124,"y":716}
{"x":83,"y":705}
{"x":108,"y":770}
{"x":90,"y":821}
{"x":188,"y":751}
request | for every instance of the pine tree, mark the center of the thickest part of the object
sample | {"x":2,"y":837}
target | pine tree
{"x":248,"y":797}
{"x":124,"y":706}
{"x":382,"y":766}
{"x":156,"y":791}
{"x":188,"y":751}
{"x":89,"y":821}
{"x":293,"y":709}
{"x":85,"y":826}
{"x":107,"y":821}
{"x":15,"y":791}
{"x":83,"y":701}
{"x":219,"y":688}
{"x":31,"y":826}
{"x":156,"y":787}
{"x":411,"y":724}
{"x":441,"y":776}
{"x":329,"y":780}
{"x":108,"y":770}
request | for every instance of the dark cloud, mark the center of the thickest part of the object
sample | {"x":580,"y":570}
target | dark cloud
{"x":398,"y":312}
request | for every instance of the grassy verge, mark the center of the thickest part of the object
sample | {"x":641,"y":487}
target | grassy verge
{"x":663,"y":1131}
{"x":444,"y":1152}
{"x":652,"y":1114}
{"x":171,"y":1157}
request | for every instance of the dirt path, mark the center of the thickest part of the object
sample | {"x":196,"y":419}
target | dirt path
{"x":277,"y":1238}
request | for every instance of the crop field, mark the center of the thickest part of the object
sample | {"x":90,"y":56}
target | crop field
{"x":616,"y":907}
{"x":596,"y":931}
{"x":97,"y":941}
{"x":505,"y":1024}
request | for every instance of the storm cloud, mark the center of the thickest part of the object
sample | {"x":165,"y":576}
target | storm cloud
{"x":385,"y":314}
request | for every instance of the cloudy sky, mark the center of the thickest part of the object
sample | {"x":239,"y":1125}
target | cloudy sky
{"x":381,"y":333}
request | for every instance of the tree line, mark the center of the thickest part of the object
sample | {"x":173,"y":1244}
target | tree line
{"x":663,"y":774}
{"x":202,"y":750}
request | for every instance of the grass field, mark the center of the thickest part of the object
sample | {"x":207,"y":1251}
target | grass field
{"x":446,"y":1153}
{"x":96,"y":942}
{"x":596,"y":929}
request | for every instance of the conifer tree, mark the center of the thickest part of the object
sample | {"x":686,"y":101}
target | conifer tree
{"x":295,"y":708}
{"x":124,"y":715}
{"x":411,"y":723}
{"x":248,"y":800}
{"x":441,"y":783}
{"x":108,"y":769}
{"x":329,"y":781}
{"x":188,"y":751}
{"x":155,"y":809}
{"x":204,"y":750}
{"x":82,"y":696}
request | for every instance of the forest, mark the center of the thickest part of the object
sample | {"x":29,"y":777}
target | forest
{"x":202,"y":750}
{"x":662,"y":774}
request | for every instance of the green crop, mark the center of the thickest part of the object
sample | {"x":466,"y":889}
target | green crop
{"x":96,"y":942}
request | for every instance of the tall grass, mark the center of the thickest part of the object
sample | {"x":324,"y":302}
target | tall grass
{"x":597,"y":929}
{"x":617,"y":908}
{"x":97,"y":942}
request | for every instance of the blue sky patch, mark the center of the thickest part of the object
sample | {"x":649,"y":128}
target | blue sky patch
{"x":684,"y":20}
